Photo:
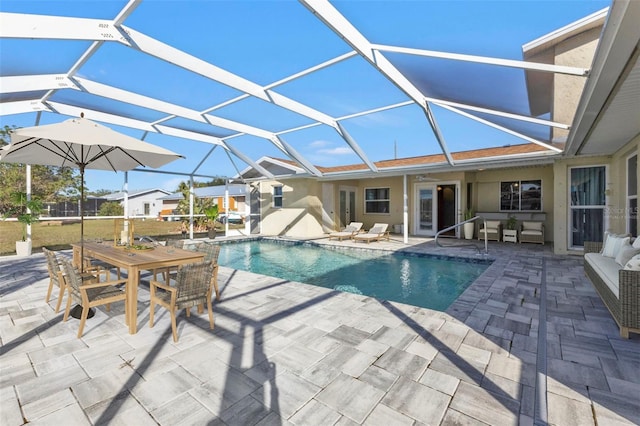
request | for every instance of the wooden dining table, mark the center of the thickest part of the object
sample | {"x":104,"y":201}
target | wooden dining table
{"x":134,"y":261}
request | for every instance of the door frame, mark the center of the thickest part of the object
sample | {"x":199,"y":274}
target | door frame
{"x":416,"y":206}
{"x":348,"y":189}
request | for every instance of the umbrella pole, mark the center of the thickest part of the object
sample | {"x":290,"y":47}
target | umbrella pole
{"x":76,"y":312}
{"x":82,"y":218}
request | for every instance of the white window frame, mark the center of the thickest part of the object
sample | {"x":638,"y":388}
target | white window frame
{"x":277,"y":196}
{"x":388,"y":200}
{"x":519,"y":209}
{"x":570,"y":207}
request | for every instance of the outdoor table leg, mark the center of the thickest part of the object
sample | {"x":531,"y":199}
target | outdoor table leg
{"x":132,"y":296}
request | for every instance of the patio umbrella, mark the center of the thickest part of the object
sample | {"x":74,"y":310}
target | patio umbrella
{"x":81,"y":143}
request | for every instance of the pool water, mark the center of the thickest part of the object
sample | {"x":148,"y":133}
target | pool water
{"x":424,"y":281}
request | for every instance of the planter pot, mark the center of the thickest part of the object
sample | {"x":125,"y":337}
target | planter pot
{"x":23,"y":248}
{"x":510,"y":235}
{"x":211,"y":233}
{"x":468,"y":230}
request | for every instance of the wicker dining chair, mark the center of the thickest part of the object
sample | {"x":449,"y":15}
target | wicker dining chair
{"x":55,"y":276}
{"x":211,"y":253}
{"x":86,"y":290}
{"x":192,"y":288}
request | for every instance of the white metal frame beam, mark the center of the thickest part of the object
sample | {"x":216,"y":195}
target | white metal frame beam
{"x":345,"y":29}
{"x":534,"y":66}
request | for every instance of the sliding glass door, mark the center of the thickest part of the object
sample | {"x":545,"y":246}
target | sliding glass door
{"x":587,"y":195}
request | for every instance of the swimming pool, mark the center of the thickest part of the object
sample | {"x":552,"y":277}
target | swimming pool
{"x":425,"y":281}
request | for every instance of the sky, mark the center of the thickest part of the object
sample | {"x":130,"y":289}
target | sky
{"x":266,"y":41}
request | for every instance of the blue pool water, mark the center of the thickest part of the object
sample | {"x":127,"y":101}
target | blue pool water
{"x":428,"y":282}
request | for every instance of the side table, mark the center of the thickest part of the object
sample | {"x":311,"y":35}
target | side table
{"x":510,"y":235}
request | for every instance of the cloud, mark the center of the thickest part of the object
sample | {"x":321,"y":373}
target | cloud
{"x":341,"y":150}
{"x":319,"y":144}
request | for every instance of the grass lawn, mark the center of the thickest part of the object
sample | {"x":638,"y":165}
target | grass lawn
{"x":61,"y":236}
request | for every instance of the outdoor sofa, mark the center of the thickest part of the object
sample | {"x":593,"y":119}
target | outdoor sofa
{"x":616,"y":281}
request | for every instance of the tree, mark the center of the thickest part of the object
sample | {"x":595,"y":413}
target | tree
{"x":111,"y":208}
{"x":47,"y":183}
{"x":99,"y":192}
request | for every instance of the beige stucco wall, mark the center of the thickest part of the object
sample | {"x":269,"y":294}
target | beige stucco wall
{"x":577,"y":51}
{"x":615,"y":212}
{"x":486,"y":191}
{"x":301,"y":212}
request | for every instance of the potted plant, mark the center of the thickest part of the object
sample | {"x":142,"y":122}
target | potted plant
{"x":469,"y":226}
{"x":27,"y":212}
{"x":211,"y":212}
{"x":510,"y":234}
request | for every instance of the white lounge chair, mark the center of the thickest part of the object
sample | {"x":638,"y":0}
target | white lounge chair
{"x":376,"y":233}
{"x":348,"y":232}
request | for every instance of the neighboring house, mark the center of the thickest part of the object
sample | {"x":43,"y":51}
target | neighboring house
{"x":145,"y":202}
{"x":237,"y":195}
{"x":589,"y":186}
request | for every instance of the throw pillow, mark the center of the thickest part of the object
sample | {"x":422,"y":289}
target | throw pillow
{"x":532,"y":226}
{"x":633,"y":264}
{"x":612,"y":245}
{"x":636,"y":242}
{"x":626,"y":252}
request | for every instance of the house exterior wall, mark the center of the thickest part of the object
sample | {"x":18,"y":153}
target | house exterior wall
{"x":136,"y":204}
{"x":615,"y":219}
{"x":577,"y":51}
{"x":301,"y":212}
{"x":486,"y":193}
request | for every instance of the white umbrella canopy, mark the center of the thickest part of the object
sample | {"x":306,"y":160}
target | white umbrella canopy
{"x":81,"y":143}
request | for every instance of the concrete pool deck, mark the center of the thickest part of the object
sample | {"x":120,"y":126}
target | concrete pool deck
{"x":529,"y":341}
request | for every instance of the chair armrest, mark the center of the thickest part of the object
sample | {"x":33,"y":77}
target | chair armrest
{"x":102,"y":284}
{"x":162,"y":286}
{"x":592,"y":247}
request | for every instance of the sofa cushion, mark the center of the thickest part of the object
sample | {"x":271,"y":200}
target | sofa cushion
{"x":530,"y":232}
{"x":613,"y":243}
{"x":633,"y":264}
{"x":607,"y":269}
{"x":626,"y":252}
{"x":493,"y":225}
{"x":532,"y":226}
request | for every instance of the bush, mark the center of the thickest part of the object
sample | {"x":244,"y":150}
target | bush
{"x":111,"y":208}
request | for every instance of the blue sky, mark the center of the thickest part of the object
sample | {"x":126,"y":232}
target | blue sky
{"x":265,"y":41}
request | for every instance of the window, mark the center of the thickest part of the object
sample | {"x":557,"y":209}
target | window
{"x":632,"y":195}
{"x":376,"y":200}
{"x":587,"y":197}
{"x":277,"y":197}
{"x":521,"y":195}
{"x":147,"y":209}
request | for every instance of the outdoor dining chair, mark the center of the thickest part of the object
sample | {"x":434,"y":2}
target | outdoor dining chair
{"x":86,"y":290}
{"x":211,"y":253}
{"x":192,"y":288}
{"x":55,"y":276}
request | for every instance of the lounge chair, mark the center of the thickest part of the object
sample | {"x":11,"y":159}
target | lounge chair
{"x":376,"y":233}
{"x":352,"y":229}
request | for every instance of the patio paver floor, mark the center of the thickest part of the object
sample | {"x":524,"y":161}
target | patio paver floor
{"x":290,"y":353}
